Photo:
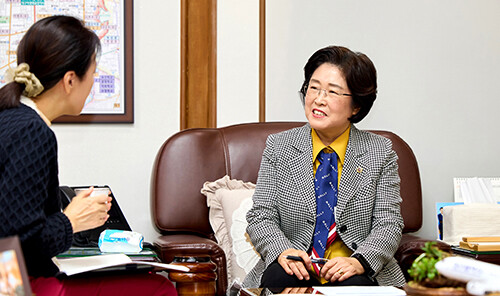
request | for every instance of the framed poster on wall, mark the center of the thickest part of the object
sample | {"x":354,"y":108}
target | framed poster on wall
{"x":111,"y":98}
{"x":14,"y":276}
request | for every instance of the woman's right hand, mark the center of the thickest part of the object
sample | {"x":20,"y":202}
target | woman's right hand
{"x":86,"y":212}
{"x":293,"y":267}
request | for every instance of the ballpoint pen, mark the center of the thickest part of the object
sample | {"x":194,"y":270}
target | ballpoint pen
{"x":313,"y":260}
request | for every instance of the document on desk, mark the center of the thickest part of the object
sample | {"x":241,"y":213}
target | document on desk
{"x":76,"y":265}
{"x":360,"y":290}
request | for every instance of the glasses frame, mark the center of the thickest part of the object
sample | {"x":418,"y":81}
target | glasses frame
{"x":328,"y":93}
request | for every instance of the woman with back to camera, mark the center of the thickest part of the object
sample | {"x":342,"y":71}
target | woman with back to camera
{"x":55,"y":73}
{"x":327,"y":189}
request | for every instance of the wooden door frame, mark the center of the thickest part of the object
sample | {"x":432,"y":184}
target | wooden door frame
{"x":198,"y":102}
{"x":198,"y":64}
{"x":262,"y":60}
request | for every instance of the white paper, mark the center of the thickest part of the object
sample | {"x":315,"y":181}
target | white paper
{"x":75,"y":265}
{"x":480,"y":220}
{"x":360,"y":290}
{"x":477,"y":190}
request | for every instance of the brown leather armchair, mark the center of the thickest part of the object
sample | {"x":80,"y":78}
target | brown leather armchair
{"x":189,"y":158}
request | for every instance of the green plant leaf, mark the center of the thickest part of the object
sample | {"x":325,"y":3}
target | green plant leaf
{"x":423,"y":267}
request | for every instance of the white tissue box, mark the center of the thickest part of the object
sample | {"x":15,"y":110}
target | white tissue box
{"x":470,"y":220}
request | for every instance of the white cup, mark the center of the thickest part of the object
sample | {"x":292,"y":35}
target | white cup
{"x":97,"y":191}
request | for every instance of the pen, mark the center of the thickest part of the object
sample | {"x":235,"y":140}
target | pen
{"x":313,"y":260}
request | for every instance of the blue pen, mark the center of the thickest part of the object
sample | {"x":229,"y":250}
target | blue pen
{"x":313,"y":260}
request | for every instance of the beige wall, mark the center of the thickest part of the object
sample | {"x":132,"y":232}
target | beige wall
{"x":237,"y":61}
{"x":438,"y":75}
{"x":122,"y":155}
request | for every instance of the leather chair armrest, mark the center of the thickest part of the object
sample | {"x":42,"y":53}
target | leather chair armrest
{"x":172,"y":245}
{"x":410,"y":248}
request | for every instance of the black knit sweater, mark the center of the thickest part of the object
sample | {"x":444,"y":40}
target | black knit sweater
{"x":30,"y":206}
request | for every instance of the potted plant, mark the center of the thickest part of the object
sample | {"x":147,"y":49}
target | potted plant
{"x":426,"y":280}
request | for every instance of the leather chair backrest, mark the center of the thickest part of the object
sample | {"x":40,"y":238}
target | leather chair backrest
{"x":191,"y":157}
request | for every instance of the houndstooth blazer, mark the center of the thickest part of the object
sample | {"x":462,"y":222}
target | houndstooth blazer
{"x":368,"y":212}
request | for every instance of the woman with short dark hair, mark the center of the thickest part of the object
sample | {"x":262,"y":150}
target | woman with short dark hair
{"x":326,"y":209}
{"x":359,"y":73}
{"x":55,"y":73}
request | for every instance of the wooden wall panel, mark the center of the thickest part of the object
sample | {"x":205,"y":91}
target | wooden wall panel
{"x":198,"y":63}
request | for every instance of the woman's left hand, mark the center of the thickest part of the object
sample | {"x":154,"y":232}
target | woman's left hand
{"x":341,"y":268}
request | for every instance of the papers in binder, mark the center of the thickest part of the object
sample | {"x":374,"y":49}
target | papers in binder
{"x":477,"y":190}
{"x":76,"y":265}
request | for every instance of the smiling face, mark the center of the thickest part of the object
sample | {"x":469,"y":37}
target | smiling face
{"x":328,"y":105}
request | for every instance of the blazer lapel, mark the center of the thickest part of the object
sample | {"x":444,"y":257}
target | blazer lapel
{"x":353,"y":172}
{"x":301,"y":168}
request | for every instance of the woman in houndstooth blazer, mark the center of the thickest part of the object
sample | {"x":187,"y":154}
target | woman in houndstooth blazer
{"x":339,"y":89}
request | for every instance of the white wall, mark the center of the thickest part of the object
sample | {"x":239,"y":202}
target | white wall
{"x":237,"y":61}
{"x":122,"y":155}
{"x":438,"y":74}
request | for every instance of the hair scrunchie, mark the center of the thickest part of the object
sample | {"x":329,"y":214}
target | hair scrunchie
{"x":22,"y":75}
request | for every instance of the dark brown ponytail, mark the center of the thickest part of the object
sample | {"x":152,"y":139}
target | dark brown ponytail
{"x":10,"y":95}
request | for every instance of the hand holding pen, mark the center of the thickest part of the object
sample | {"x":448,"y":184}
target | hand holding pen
{"x":297,"y":267}
{"x":313,"y":260}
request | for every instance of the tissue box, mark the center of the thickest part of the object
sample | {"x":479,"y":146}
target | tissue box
{"x":470,"y":220}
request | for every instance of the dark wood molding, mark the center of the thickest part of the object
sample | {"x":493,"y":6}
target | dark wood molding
{"x":262,"y":60}
{"x":198,"y":63}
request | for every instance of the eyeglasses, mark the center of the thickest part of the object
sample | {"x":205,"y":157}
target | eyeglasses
{"x":316,"y":91}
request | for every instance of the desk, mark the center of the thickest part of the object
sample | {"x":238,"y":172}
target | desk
{"x":330,"y":290}
{"x":146,"y":254}
{"x":262,"y":291}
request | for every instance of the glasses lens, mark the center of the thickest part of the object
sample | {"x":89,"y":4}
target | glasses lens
{"x":333,"y":94}
{"x":312,"y":91}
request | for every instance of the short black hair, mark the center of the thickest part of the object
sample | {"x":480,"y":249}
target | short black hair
{"x":359,"y":72}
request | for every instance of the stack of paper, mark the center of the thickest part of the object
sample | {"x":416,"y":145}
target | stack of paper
{"x":470,"y":220}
